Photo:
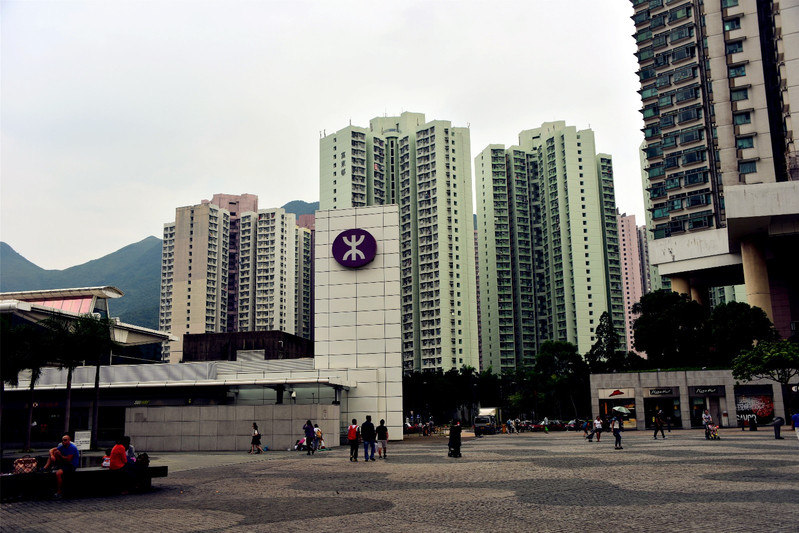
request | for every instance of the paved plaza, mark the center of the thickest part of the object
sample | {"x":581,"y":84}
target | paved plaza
{"x":747,"y":481}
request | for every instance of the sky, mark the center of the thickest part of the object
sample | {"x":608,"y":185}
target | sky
{"x":114,"y":113}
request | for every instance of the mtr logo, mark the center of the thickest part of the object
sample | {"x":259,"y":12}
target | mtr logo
{"x":354,"y":248}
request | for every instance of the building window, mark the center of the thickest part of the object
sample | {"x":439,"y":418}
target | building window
{"x":736,"y":95}
{"x":742,"y":118}
{"x":745,"y":142}
{"x":732,"y":24}
{"x":734,"y":48}
{"x":729,"y":3}
{"x":747,"y":167}
{"x":737,"y":71}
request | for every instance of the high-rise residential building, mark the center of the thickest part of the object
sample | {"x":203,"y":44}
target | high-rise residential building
{"x":632,"y":279}
{"x":267,"y":271}
{"x":477,"y":284}
{"x":720,"y":93}
{"x":424,"y":167}
{"x":197,"y":295}
{"x":194,"y":274}
{"x":548,"y":244}
{"x":304,"y":277}
{"x":234,"y":204}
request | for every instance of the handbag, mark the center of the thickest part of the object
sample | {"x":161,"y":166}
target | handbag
{"x":25,"y":465}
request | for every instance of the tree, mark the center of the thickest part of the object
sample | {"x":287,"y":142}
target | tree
{"x":775,"y":361}
{"x":97,"y":342}
{"x":23,"y":348}
{"x":672,"y":329}
{"x":606,"y":353}
{"x":13,"y":345}
{"x":62,"y":340}
{"x":734,"y":328}
{"x":563,"y":373}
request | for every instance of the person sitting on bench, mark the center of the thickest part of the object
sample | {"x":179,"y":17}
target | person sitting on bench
{"x":120,"y":465}
{"x":64,"y":459}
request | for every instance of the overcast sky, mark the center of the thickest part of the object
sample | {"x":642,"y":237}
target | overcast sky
{"x":114,"y":113}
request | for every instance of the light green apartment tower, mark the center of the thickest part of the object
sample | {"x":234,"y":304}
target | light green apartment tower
{"x":547,"y":244}
{"x":425,"y":168}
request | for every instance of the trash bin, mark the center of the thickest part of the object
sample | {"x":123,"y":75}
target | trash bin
{"x":753,"y":425}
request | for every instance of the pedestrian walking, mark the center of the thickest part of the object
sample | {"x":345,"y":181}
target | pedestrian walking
{"x":368,"y":434}
{"x":597,"y":428}
{"x":795,"y":421}
{"x":353,"y":435}
{"x":615,"y":426}
{"x":659,"y":424}
{"x":310,"y":434}
{"x":454,"y":443}
{"x":255,"y":442}
{"x":382,"y":440}
{"x":778,"y":423}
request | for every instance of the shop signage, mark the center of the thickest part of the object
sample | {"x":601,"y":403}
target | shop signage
{"x":707,"y":390}
{"x":354,"y":248}
{"x":620,"y":394}
{"x":661,"y":392}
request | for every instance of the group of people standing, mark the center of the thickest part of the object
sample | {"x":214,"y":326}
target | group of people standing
{"x":313,"y":437}
{"x":370,"y":436}
{"x":594,"y":429}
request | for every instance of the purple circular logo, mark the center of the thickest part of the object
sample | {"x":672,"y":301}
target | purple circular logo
{"x":354,"y":248}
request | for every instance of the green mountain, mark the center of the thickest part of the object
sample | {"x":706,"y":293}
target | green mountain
{"x":298,"y":207}
{"x":135,"y":269}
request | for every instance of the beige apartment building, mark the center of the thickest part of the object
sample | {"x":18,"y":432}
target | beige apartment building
{"x":720,"y":94}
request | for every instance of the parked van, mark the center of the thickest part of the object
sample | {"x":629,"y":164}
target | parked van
{"x":484,"y":425}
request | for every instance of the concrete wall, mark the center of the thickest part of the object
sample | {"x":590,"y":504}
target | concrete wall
{"x":226,"y":427}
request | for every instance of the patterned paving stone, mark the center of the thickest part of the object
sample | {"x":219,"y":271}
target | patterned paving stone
{"x":530,"y":482}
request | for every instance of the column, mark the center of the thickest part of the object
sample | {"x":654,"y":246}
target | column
{"x":758,"y":291}
{"x":679,"y":284}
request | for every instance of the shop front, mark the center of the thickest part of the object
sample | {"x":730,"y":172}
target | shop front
{"x":666,"y":399}
{"x":618,"y":402}
{"x":754,"y":403}
{"x":710,"y":397}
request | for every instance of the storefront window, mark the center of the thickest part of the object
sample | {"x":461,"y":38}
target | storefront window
{"x":711,"y":398}
{"x":754,"y":402}
{"x":624,"y":400}
{"x":666,"y":399}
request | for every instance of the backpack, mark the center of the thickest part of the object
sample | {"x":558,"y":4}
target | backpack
{"x":352,"y":432}
{"x":318,"y":433}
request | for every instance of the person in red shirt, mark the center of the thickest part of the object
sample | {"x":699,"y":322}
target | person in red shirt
{"x":119,"y":455}
{"x":119,"y":464}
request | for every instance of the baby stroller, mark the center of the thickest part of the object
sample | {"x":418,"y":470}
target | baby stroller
{"x":712,"y":432}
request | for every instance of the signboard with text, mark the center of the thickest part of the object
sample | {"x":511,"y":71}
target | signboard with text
{"x":83,"y":440}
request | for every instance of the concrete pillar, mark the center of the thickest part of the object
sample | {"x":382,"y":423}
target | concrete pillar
{"x":699,"y":294}
{"x":679,"y":284}
{"x":758,"y":291}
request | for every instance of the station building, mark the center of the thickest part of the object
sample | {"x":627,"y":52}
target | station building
{"x":354,"y":370}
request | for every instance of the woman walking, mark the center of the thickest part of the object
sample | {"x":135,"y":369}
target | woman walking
{"x":255,"y":443}
{"x":615,"y":426}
